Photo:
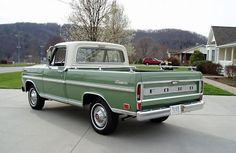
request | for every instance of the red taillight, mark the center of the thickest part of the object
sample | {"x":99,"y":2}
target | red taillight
{"x":139,"y":106}
{"x":126,"y":106}
{"x":138,"y":92}
{"x":139,"y":97}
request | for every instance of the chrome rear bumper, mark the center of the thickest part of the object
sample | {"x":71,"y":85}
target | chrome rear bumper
{"x":145,"y":115}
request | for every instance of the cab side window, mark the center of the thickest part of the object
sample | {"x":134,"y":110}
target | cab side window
{"x":59,"y":57}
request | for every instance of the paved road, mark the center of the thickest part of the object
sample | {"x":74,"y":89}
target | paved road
{"x":61,"y":128}
{"x":10,"y":69}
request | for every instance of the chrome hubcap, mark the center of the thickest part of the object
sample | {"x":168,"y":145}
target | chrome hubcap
{"x":33,"y":97}
{"x":100,"y":116}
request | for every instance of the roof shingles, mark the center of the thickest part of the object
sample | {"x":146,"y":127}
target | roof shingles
{"x":224,"y":35}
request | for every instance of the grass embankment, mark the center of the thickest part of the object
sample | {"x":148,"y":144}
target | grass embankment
{"x":10,"y":80}
{"x":212,"y":90}
{"x":15,"y":65}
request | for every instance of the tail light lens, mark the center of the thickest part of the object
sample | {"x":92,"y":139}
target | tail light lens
{"x":139,"y":97}
{"x":201,"y":89}
{"x":202,"y":86}
{"x":126,"y":106}
{"x":138,"y":92}
{"x":139,"y":106}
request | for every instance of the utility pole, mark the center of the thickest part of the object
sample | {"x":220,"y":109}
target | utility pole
{"x":18,"y":46}
{"x":41,"y":53}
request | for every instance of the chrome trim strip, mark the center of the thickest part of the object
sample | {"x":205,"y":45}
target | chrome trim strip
{"x":103,"y":86}
{"x":44,"y":79}
{"x":63,"y":100}
{"x":172,"y":97}
{"x":54,"y":80}
{"x":123,"y":112}
{"x":75,"y":102}
{"x":146,"y":115}
{"x":102,"y":70}
{"x":87,"y":84}
{"x":169,"y":81}
{"x":32,"y":77}
{"x":171,"y":89}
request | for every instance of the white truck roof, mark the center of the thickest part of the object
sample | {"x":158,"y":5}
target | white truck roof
{"x":73,"y":46}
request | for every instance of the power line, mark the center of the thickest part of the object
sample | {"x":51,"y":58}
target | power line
{"x":62,"y":1}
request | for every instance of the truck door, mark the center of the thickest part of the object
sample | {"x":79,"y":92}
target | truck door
{"x":54,"y":75}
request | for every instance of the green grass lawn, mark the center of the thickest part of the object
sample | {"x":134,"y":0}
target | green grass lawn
{"x":13,"y":81}
{"x":156,"y":67}
{"x":10,"y":80}
{"x":212,"y":90}
{"x":145,"y":67}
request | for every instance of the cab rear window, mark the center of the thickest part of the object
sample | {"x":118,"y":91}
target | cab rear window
{"x":98,"y":55}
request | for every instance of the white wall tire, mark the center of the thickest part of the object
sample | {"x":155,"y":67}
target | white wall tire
{"x":103,"y":120}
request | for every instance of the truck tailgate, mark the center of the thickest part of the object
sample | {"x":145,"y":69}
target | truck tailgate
{"x":162,"y":89}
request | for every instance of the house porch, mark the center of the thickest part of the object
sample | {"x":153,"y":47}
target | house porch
{"x":227,"y":56}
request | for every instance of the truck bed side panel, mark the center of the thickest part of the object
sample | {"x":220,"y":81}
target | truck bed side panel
{"x":115,"y":87}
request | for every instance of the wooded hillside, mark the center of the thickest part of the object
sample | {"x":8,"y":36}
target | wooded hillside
{"x":30,"y":39}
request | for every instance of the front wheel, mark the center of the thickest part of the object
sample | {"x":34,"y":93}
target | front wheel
{"x":103,"y":120}
{"x":35,"y":101}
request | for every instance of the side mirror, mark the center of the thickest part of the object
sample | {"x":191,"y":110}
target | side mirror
{"x":50,"y":53}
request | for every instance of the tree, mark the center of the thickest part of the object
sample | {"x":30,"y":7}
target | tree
{"x":99,"y":20}
{"x":87,"y":19}
{"x":196,"y":56}
{"x":144,"y":47}
{"x":116,"y":30}
{"x":52,"y":41}
{"x":115,"y":25}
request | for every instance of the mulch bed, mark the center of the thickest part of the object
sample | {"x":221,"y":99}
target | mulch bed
{"x":225,"y":80}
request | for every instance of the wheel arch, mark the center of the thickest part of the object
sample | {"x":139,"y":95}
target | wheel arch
{"x":28,"y":84}
{"x":88,"y":97}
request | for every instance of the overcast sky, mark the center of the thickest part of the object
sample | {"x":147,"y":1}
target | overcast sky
{"x":192,"y":15}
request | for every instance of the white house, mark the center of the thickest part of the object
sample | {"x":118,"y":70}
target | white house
{"x":221,"y":45}
{"x":220,"y":48}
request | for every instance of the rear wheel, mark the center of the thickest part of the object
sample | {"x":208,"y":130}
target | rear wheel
{"x":103,"y":120}
{"x":36,"y":102}
{"x":159,"y":120}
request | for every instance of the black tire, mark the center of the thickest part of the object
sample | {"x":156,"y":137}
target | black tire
{"x":36,"y":102}
{"x":159,"y":120}
{"x":102,"y":119}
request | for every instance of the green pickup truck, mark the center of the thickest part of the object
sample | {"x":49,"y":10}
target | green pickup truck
{"x":97,"y":75}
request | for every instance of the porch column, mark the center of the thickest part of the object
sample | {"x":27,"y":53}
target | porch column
{"x":180,"y":58}
{"x":225,"y":54}
{"x":232,"y":55}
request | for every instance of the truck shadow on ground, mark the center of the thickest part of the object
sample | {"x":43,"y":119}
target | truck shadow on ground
{"x":134,"y":135}
{"x":68,"y":117}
